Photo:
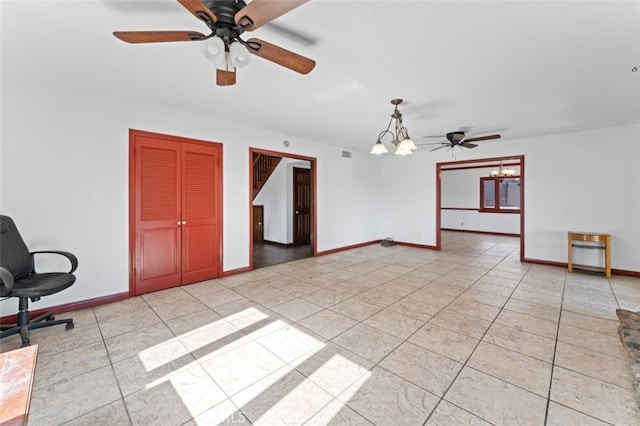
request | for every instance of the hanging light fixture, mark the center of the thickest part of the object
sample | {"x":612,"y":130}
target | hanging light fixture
{"x":502,"y":172}
{"x":400,"y":137}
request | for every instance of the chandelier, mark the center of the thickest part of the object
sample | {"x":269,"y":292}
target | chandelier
{"x":400,"y":137}
{"x":502,"y":172}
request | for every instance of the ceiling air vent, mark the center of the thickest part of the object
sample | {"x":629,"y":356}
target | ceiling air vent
{"x":346,"y":154}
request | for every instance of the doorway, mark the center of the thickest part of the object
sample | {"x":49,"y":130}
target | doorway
{"x":283,"y":210}
{"x":477,"y":207}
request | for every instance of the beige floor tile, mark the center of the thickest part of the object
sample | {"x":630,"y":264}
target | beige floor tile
{"x":129,"y":344}
{"x":447,"y":414}
{"x":461,"y":323}
{"x":368,"y":342}
{"x":240,"y":367}
{"x":356,"y":309}
{"x":118,"y":309}
{"x":114,"y":414}
{"x":223,"y":414}
{"x":204,"y":287}
{"x":415,"y":308}
{"x":550,"y":300}
{"x":260,"y":323}
{"x":386,"y":399}
{"x":513,"y":367}
{"x":336,"y":413}
{"x":52,"y":340}
{"x":394,"y":323}
{"x":533,"y":309}
{"x":153,"y":365}
{"x":271,"y":298}
{"x":53,"y":368}
{"x":599,"y":342}
{"x":493,"y":288}
{"x":496,"y":401}
{"x":325,"y":297}
{"x":285,"y":397}
{"x":603,"y":367}
{"x":334,"y":368}
{"x":598,"y":399}
{"x":479,"y":310}
{"x":559,"y":415}
{"x":193,"y":321}
{"x":74,"y":397}
{"x":432,"y":297}
{"x":176,"y":399}
{"x":296,"y":309}
{"x":219,"y":297}
{"x":129,"y":322}
{"x":583,"y":307}
{"x":477,"y":295}
{"x":292,"y":342}
{"x":523,"y":322}
{"x":172,"y":296}
{"x":327,"y":323}
{"x":422,"y":367}
{"x":520,"y":341}
{"x":379,"y":297}
{"x":451,"y":344}
{"x":167,"y":311}
{"x":589,"y":323}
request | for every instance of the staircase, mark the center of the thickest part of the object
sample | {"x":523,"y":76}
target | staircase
{"x":263,"y":166}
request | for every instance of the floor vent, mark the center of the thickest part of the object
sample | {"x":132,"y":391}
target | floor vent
{"x":346,"y":154}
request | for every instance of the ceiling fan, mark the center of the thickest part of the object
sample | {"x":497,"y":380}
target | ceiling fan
{"x":459,"y":139}
{"x":227,"y":20}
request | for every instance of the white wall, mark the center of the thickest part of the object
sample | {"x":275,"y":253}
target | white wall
{"x":582,"y":181}
{"x":277,"y":198}
{"x":64,"y":180}
{"x":461,"y":189}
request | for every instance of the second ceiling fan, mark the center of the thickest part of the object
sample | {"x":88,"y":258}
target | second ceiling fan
{"x":227,"y":20}
{"x":459,"y":138}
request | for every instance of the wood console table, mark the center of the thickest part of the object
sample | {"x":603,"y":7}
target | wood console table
{"x":17,"y":369}
{"x":574,"y":239}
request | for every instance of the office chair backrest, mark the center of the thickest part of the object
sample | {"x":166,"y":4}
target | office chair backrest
{"x":14,"y":254}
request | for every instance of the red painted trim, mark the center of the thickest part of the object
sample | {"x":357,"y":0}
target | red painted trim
{"x":482,"y":160}
{"x":353,"y":246}
{"x":422,"y":246}
{"x":505,"y":234}
{"x":438,"y":207}
{"x":488,"y":166}
{"x":68,"y":307}
{"x":314,"y":199}
{"x":460,"y":208}
{"x":522,"y":210}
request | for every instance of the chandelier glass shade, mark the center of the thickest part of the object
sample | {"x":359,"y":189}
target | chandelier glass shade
{"x":399,"y":136}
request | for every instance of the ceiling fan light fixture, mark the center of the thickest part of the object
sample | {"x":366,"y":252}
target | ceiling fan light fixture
{"x":213,"y":49}
{"x":240,"y":56}
{"x":378,"y":148}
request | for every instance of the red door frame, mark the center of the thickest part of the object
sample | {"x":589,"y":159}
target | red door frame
{"x":314,"y":196}
{"x":519,"y":158}
{"x":132,"y":170}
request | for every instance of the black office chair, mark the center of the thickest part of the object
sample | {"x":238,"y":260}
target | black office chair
{"x":18,"y":278}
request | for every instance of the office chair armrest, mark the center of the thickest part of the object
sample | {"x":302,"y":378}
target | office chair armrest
{"x":72,"y":258}
{"x":6,"y":282}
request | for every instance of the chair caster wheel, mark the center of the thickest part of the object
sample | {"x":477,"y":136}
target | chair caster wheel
{"x":69,"y":326}
{"x":50,"y":318}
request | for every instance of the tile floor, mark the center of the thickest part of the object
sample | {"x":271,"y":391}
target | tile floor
{"x":375,"y":335}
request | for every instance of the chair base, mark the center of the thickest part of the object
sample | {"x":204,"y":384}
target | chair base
{"x":25,"y":325}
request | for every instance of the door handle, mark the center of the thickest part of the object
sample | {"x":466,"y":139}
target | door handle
{"x":297,"y":212}
{"x":182,"y":222}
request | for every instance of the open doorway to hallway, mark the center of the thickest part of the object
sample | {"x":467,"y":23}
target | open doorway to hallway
{"x":282,"y":208}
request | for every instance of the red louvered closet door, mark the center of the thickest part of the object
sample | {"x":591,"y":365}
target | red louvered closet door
{"x":175,"y":238}
{"x":200,"y":253}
